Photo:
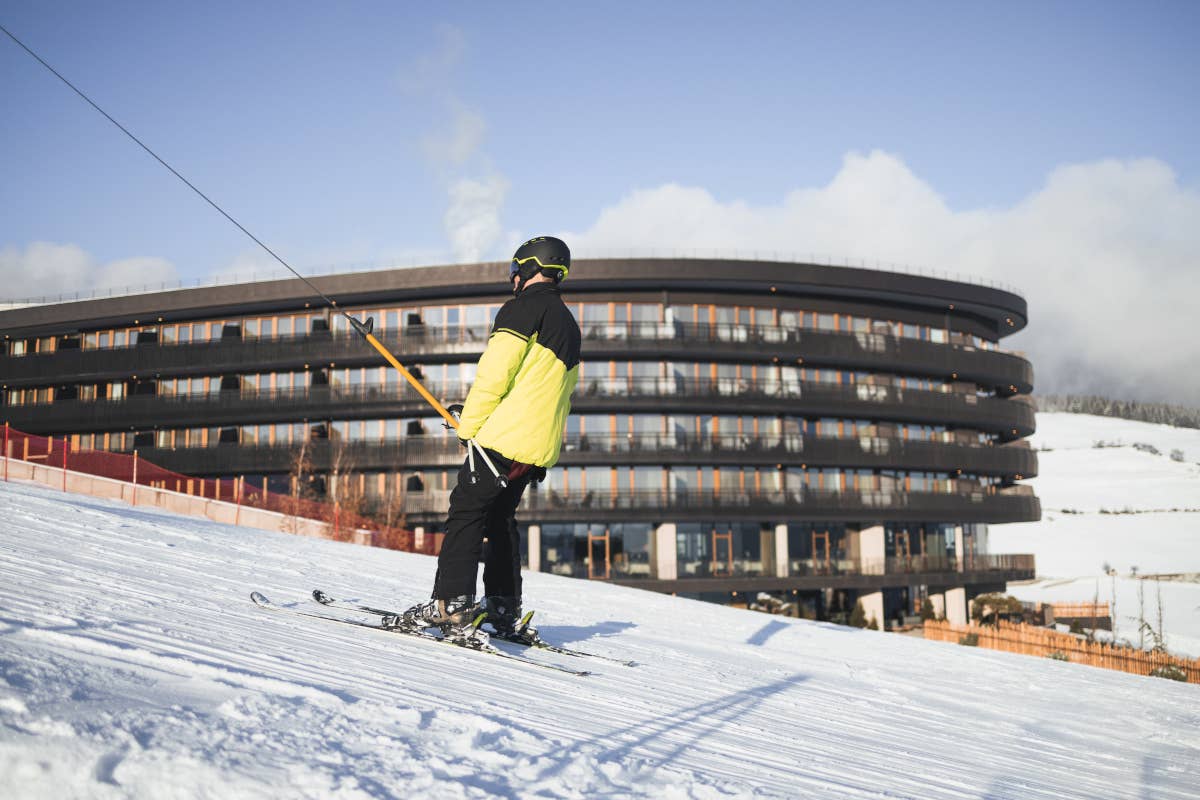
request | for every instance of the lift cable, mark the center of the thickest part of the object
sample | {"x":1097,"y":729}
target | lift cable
{"x":363,"y":328}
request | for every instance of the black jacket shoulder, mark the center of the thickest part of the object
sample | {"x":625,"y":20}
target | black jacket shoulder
{"x":540,"y":310}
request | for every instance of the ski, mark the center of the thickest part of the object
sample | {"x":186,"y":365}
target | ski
{"x":260,"y":600}
{"x":528,"y":637}
{"x":524,"y":636}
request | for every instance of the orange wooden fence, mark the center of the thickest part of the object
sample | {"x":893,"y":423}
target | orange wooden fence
{"x":1080,"y":610}
{"x":1031,"y":640}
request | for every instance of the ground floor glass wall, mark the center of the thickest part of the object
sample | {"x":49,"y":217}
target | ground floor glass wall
{"x":715,"y":549}
{"x":616,"y":550}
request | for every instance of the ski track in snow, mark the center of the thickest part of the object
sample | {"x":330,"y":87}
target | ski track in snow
{"x":132,"y":664}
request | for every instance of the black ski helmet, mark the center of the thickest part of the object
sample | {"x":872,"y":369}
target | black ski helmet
{"x":545,"y":254}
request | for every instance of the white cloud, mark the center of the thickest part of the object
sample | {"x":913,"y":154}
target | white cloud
{"x":472,"y":220}
{"x":51,"y":270}
{"x":456,"y":143}
{"x":1104,"y":253}
{"x":431,"y":71}
{"x":453,"y":148}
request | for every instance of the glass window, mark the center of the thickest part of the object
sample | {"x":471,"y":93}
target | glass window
{"x":630,"y":544}
{"x":679,"y":317}
{"x":645,"y":312}
{"x":647,"y":479}
{"x":476,"y":321}
{"x":692,"y":548}
{"x":595,"y":313}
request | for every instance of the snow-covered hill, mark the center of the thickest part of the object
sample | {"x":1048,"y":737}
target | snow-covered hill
{"x":1076,"y":482}
{"x":132,"y":664}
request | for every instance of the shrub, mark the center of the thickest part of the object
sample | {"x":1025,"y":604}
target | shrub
{"x":1059,"y":655}
{"x":873,"y":624}
{"x":927,"y":612}
{"x":1001,"y":605}
{"x":969,"y":640}
{"x":1170,"y":672}
{"x":858,"y":617}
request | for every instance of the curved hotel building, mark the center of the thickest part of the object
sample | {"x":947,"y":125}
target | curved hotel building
{"x":823,"y":434}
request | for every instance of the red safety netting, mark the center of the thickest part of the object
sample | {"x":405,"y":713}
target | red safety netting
{"x":342,"y":525}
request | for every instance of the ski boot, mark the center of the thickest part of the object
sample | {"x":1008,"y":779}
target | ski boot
{"x":457,"y":619}
{"x":505,"y":620}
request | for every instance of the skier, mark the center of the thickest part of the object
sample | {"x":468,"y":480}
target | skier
{"x":516,"y":412}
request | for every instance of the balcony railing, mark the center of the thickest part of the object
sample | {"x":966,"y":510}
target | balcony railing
{"x":901,"y":565}
{"x":637,"y":567}
{"x":856,"y":351}
{"x":417,"y":452}
{"x":366,"y":401}
{"x":808,"y":504}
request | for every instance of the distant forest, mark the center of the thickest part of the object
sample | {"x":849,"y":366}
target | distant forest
{"x":1179,"y":416}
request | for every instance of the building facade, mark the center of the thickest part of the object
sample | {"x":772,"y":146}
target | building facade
{"x":823,"y":434}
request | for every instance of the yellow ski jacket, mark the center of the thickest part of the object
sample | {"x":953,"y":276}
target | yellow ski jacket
{"x":521,"y":397}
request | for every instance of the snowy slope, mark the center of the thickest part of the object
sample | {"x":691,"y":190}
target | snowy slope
{"x":1074,"y":476}
{"x":1062,"y":431}
{"x":1072,"y":548}
{"x":133,"y":665}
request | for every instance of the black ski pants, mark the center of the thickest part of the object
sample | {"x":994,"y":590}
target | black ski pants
{"x":478,"y":510}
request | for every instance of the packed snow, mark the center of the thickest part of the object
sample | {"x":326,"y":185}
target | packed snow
{"x":132,"y":664}
{"x":1088,"y":494}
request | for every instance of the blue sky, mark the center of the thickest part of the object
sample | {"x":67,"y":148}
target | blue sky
{"x":352,"y":132}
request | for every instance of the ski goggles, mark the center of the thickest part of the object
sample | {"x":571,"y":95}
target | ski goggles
{"x":515,"y":267}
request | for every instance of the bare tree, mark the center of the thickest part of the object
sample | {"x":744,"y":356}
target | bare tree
{"x":1095,"y":607}
{"x":1112,"y":612}
{"x":1161,"y":641}
{"x":394,"y":513}
{"x":1160,"y":645}
{"x":345,"y":489}
{"x":1141,"y":615}
{"x":299,"y":472}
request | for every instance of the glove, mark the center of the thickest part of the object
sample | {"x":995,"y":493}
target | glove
{"x":456,"y":412}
